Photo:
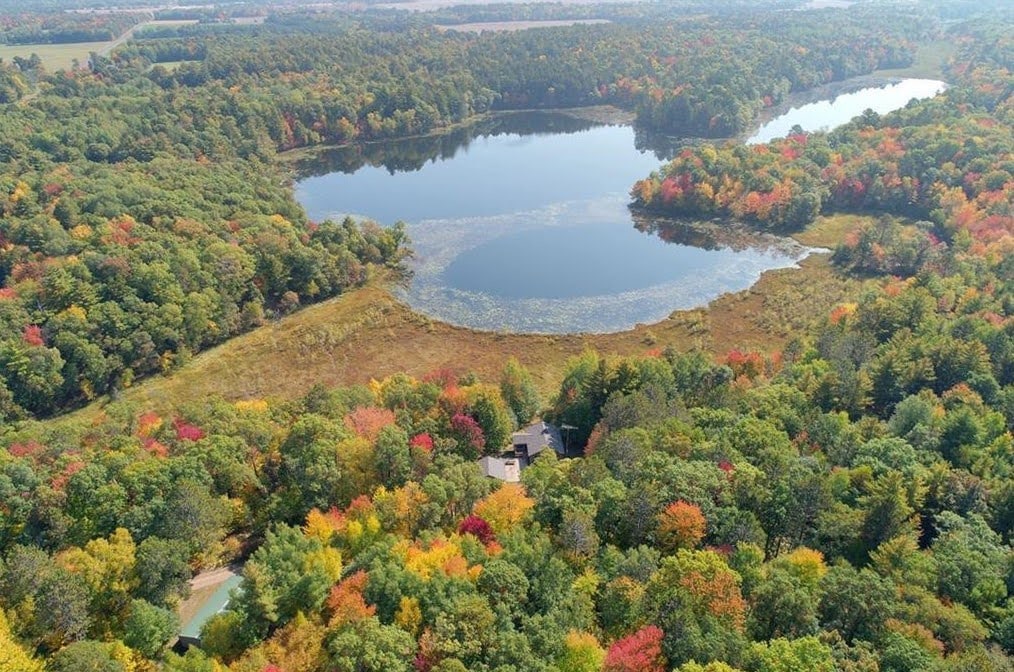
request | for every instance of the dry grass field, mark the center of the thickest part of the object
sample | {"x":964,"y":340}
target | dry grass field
{"x":929,"y":61}
{"x":368,"y":333}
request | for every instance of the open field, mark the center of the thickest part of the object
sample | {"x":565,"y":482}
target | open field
{"x":369,"y":333}
{"x":929,"y":62}
{"x":165,"y":23}
{"x":171,"y":66}
{"x":54,"y":56}
{"x":508,"y":26}
{"x":62,"y":56}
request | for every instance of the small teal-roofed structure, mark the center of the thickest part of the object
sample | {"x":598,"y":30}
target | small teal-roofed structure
{"x":217,"y":602}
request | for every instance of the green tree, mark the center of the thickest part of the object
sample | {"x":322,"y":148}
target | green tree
{"x":782,"y":606}
{"x":149,"y":628}
{"x":368,"y":646}
{"x":162,"y":569}
{"x":226,"y":635}
{"x":194,"y":516}
{"x":86,"y":656}
{"x":393,"y":461}
{"x":695,"y":599}
{"x":581,"y":653}
{"x":287,"y":574}
{"x":519,"y":391}
{"x":856,"y":603}
{"x":309,"y":472}
{"x":972,"y":563}
{"x":807,"y":654}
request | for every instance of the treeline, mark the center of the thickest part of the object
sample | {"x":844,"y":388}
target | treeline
{"x":137,"y":231}
{"x":410,"y":154}
{"x":66,"y":27}
{"x":113,"y":267}
{"x":947,"y":160}
{"x":691,"y":77}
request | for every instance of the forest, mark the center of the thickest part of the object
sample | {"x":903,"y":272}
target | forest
{"x":844,"y":503}
{"x":59,"y":27}
{"x":123,"y":186}
{"x":926,"y":162}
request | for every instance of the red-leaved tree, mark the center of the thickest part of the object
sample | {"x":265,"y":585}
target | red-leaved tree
{"x":639,"y":652}
{"x":478,"y":528}
{"x":469,"y":435}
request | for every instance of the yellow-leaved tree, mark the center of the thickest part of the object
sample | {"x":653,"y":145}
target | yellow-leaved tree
{"x":12,"y":655}
{"x":504,"y":508}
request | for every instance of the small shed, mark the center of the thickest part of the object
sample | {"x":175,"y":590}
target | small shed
{"x":502,"y":468}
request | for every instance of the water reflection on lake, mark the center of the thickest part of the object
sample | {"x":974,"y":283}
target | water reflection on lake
{"x":512,"y":163}
{"x":523,"y":225}
{"x":575,"y":266}
{"x":827,"y":114}
{"x":520,"y":223}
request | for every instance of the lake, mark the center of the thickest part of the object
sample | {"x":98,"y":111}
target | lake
{"x":520,"y":223}
{"x":824,"y":115}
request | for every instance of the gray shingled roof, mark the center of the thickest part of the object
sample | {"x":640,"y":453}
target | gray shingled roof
{"x":539,"y":436}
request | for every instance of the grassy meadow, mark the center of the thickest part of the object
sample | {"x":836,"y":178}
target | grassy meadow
{"x":62,"y":56}
{"x":54,"y":56}
{"x":929,"y":62}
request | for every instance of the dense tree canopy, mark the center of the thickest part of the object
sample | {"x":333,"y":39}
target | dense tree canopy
{"x":844,"y":504}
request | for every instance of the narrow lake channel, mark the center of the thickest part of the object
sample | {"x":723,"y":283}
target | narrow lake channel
{"x":521,"y":223}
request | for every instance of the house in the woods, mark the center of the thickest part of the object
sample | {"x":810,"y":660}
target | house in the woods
{"x":529,"y":442}
{"x":526,"y":444}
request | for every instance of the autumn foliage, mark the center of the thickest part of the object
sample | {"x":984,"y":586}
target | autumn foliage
{"x":346,"y":602}
{"x":468,"y":433}
{"x":639,"y":652}
{"x":681,"y":525}
{"x":478,"y":528}
{"x":505,"y":507}
{"x":186,"y":431}
{"x":367,"y":421}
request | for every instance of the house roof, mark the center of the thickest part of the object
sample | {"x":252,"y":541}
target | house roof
{"x":503,"y":468}
{"x":539,"y":436}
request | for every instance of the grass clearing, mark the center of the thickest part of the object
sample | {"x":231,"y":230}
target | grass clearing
{"x":54,"y":56}
{"x":170,"y":66}
{"x":929,"y":63}
{"x":369,"y":333}
{"x":62,"y":56}
{"x":830,"y":230}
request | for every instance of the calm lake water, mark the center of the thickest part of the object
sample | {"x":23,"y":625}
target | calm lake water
{"x":521,"y":224}
{"x":826,"y":114}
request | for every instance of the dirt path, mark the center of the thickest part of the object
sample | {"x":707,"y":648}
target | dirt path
{"x":212,"y":578}
{"x":202,"y":587}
